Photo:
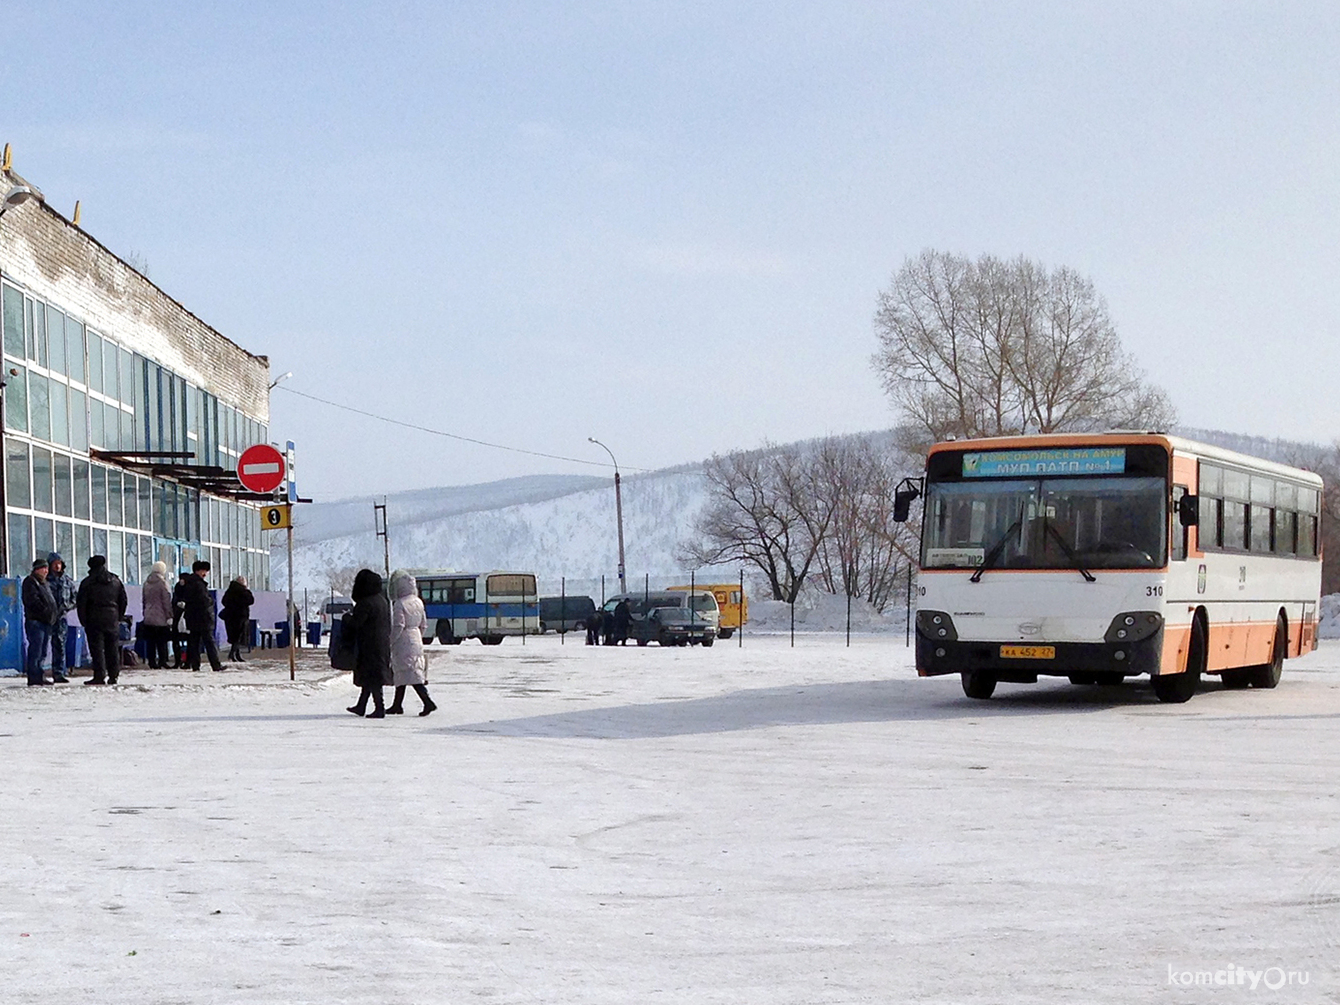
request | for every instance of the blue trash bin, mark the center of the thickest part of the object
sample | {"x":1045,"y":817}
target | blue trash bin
{"x":282,"y":629}
{"x":314,"y":633}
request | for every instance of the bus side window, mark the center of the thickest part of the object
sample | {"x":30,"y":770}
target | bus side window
{"x":1180,"y":531}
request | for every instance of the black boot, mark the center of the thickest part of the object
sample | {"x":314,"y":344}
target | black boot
{"x":429,"y":706}
{"x":398,"y":705}
{"x":379,"y":710}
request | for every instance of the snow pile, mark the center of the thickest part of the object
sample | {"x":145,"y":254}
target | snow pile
{"x":823,"y":612}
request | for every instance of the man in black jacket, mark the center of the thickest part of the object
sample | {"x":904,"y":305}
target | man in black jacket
{"x":201,"y":616}
{"x":39,"y":614}
{"x":178,"y":607}
{"x":101,"y":604}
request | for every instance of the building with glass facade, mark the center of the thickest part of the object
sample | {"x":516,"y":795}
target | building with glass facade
{"x":124,"y":414}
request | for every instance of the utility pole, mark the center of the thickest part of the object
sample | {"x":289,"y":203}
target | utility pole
{"x":618,"y":510}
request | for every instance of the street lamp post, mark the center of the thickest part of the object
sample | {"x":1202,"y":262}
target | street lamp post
{"x":618,"y":510}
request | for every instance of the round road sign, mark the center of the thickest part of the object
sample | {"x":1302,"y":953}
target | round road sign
{"x":261,"y":468}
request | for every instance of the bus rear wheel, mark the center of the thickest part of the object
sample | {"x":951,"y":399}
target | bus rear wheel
{"x":978,"y":683}
{"x":1268,"y":674}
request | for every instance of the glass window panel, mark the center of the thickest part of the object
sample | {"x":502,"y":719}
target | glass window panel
{"x":1235,"y":524}
{"x":100,"y":541}
{"x":78,"y":420}
{"x":1260,"y":527}
{"x":1286,"y":495}
{"x":146,"y":504}
{"x":18,"y":484}
{"x":114,"y":513}
{"x":128,"y":497}
{"x":94,"y":362}
{"x":56,"y":340}
{"x":146,"y":557}
{"x":116,"y":553}
{"x":1286,"y":526}
{"x":13,"y":311}
{"x":1235,"y":484}
{"x":110,"y":384}
{"x":126,"y":367}
{"x":16,"y":400}
{"x":132,"y":577}
{"x":44,"y":537}
{"x":1263,"y":490}
{"x":81,"y":490}
{"x":111,"y":426}
{"x":39,"y":407}
{"x":60,"y":470}
{"x":1307,"y":503}
{"x":42,"y":494}
{"x":83,"y":548}
{"x":74,"y":350}
{"x":97,"y":424}
{"x":40,"y":333}
{"x":99,"y":495}
{"x":20,"y":545}
{"x":29,"y":346}
{"x":141,"y":405}
{"x":65,"y":546}
{"x":60,"y":417}
{"x":155,"y":393}
{"x":1307,"y":534}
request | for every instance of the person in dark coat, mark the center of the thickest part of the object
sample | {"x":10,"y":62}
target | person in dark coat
{"x":201,"y":617}
{"x":101,"y":603}
{"x":178,"y":610}
{"x":593,"y":628}
{"x":39,"y":614}
{"x":64,"y":589}
{"x":370,"y":623}
{"x":622,"y":615}
{"x":237,"y":601}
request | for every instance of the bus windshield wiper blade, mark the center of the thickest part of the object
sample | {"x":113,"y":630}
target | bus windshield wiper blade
{"x":989,"y":559}
{"x":1089,"y":577}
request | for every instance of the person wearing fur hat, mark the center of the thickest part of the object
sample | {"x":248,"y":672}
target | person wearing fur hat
{"x":39,"y":614}
{"x":370,"y":625}
{"x":157,"y":615}
{"x":101,"y":603}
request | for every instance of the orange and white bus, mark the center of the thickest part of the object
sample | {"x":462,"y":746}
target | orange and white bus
{"x":1100,"y":557}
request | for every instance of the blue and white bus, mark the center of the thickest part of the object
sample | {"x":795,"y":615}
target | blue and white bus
{"x":485,"y":606}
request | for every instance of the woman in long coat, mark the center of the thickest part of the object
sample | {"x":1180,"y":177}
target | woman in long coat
{"x":370,"y":624}
{"x":408,"y":623}
{"x":157,"y":610}
{"x":237,"y":601}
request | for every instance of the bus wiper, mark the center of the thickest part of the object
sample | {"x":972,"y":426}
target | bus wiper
{"x":989,"y":559}
{"x":1089,"y":577}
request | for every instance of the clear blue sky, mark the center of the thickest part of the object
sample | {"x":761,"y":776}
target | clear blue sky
{"x":665,"y":225}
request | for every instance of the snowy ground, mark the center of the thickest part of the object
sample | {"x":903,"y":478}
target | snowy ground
{"x":755,"y":825}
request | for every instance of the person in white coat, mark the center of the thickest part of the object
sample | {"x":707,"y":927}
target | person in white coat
{"x":408,"y":663}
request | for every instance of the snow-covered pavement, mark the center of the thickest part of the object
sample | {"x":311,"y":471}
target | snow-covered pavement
{"x":756,"y":825}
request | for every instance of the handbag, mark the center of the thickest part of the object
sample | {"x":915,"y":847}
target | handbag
{"x":344,"y":649}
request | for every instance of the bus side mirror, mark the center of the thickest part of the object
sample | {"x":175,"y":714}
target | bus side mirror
{"x":1188,"y":510}
{"x":902,"y":502}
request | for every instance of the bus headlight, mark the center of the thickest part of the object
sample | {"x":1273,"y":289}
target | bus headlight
{"x":937,"y":626}
{"x":1134,"y":626}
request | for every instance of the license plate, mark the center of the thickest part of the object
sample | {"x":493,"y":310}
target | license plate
{"x":1028,"y":652}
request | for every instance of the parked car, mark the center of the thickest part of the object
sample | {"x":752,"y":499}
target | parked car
{"x":565,"y":614}
{"x":671,"y":626}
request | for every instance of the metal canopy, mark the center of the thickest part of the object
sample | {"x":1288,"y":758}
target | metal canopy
{"x":170,"y":464}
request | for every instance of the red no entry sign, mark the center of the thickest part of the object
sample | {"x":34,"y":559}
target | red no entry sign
{"x":261,"y":468}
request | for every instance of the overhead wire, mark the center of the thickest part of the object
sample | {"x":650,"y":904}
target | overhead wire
{"x":441,"y":432}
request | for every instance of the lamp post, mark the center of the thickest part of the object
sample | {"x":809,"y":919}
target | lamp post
{"x":16,"y":196}
{"x":618,"y":509}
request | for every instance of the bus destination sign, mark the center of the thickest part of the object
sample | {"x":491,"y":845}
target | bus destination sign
{"x":1057,"y":461}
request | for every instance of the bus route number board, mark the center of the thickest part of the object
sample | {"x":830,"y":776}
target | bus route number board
{"x":1028,"y":652}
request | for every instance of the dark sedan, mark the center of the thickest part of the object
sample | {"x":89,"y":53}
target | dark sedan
{"x":672,"y":626}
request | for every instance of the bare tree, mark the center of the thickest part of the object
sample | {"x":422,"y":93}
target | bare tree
{"x":991,"y":347}
{"x":765,"y":509}
{"x":340,"y":579}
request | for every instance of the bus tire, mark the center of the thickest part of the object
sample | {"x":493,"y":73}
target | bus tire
{"x":725,"y":633}
{"x":708,"y":642}
{"x":1177,"y":688}
{"x":978,"y":683}
{"x":1083,"y":678}
{"x":491,"y":640}
{"x":1109,"y":678}
{"x":1268,"y":674}
{"x":444,"y":634}
{"x":1235,"y":679}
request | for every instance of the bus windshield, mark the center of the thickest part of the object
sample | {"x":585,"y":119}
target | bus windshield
{"x":1047,"y":523}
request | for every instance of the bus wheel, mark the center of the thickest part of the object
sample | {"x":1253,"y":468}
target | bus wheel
{"x":1179,"y":687}
{"x":1109,"y":678}
{"x":1268,"y":674}
{"x":1234,"y":679}
{"x":978,"y":684}
{"x":491,"y":640}
{"x":1083,"y":678}
{"x":725,"y":633}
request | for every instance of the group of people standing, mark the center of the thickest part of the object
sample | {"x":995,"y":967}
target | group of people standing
{"x":611,"y":626}
{"x":387,"y":635}
{"x":50,"y":594}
